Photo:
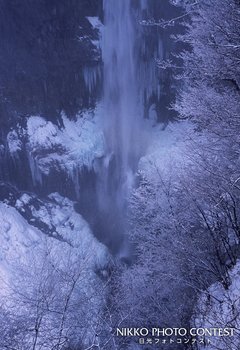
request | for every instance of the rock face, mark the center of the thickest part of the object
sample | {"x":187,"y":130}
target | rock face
{"x":51,"y":66}
{"x":44,"y":49}
{"x":51,"y":79}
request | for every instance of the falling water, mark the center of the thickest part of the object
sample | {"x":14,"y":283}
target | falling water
{"x":122,"y":113}
{"x":121,"y":105}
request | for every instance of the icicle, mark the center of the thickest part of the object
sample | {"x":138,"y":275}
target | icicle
{"x":91,"y":77}
{"x":73,"y":174}
{"x":36,"y":173}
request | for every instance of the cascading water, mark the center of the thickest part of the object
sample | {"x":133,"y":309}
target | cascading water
{"x":121,"y":105}
{"x":122,"y":114}
{"x":129,"y":81}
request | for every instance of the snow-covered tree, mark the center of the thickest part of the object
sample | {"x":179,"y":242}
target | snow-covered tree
{"x":184,"y":219}
{"x":210,"y":98}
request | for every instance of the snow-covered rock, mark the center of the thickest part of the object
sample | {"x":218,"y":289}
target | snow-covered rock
{"x":57,"y":217}
{"x":220,"y":308}
{"x":98,"y":26}
{"x":95,"y":22}
{"x":77,"y":144}
{"x":17,"y":240}
{"x":14,"y":143}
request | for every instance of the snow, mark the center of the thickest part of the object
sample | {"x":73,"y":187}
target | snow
{"x":167,"y":148}
{"x":77,"y":144}
{"x":64,"y":223}
{"x":32,"y":262}
{"x":25,"y":198}
{"x":95,"y":22}
{"x":14,"y":144}
{"x":17,"y":239}
{"x":220,"y":308}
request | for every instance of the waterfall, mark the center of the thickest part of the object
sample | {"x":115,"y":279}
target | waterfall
{"x":129,"y":80}
{"x":122,"y":114}
{"x":121,"y":105}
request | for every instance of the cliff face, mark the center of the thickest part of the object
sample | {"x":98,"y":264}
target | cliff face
{"x":44,"y":49}
{"x":49,"y":59}
{"x":51,"y":83}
